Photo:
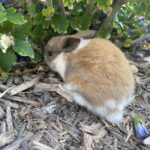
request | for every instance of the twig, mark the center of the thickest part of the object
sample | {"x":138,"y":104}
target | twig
{"x":3,"y":87}
{"x":54,"y":126}
{"x":2,"y":94}
{"x":142,"y":37}
{"x":126,"y":1}
{"x":129,"y":134}
{"x":141,"y":29}
{"x":23,"y":100}
{"x":87,"y":140}
{"x":8,"y":103}
{"x":9,"y":119}
{"x":61,"y":91}
{"x":53,"y":87}
{"x":134,"y":21}
{"x":6,"y":138}
{"x":2,"y":113}
{"x":24,"y":86}
{"x":3,"y":126}
{"x":42,"y":87}
{"x":39,"y":146}
{"x":15,"y":145}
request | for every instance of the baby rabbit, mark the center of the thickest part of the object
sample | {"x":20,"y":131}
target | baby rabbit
{"x":95,"y":72}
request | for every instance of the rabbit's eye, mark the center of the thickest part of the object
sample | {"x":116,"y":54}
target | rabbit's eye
{"x":50,"y":53}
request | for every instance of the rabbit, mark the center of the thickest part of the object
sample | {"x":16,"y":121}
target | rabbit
{"x":87,"y":34}
{"x":95,"y":73}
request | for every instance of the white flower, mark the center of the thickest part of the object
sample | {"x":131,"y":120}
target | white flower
{"x":6,"y":42}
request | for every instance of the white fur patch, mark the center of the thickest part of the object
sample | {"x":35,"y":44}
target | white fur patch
{"x":100,"y":110}
{"x":111,"y":104}
{"x":59,"y":65}
{"x":124,"y":103}
{"x":82,"y":44}
{"x":77,"y":97}
{"x":114,"y":117}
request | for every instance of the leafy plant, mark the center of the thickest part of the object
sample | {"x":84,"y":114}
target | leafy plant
{"x":25,"y":31}
{"x":9,"y":43}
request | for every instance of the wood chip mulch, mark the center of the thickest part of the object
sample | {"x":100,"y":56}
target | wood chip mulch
{"x":37,"y":114}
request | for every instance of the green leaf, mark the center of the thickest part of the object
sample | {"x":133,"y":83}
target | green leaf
{"x":68,"y":3}
{"x":127,"y":43}
{"x":59,"y":23}
{"x":141,"y":8}
{"x":84,"y":21}
{"x":73,"y":23}
{"x":21,"y":31}
{"x":32,"y":9}
{"x":2,"y":14}
{"x":37,"y":57}
{"x":126,"y":34}
{"x":104,"y":4}
{"x":115,"y":24}
{"x":104,"y":34}
{"x":10,"y":10}
{"x":87,"y":1}
{"x":137,"y":120}
{"x":39,"y":19}
{"x":6,"y":27}
{"x":7,"y":60}
{"x":46,"y":24}
{"x":138,"y":33}
{"x":119,"y":31}
{"x":48,"y":11}
{"x":14,"y":17}
{"x":39,"y":32}
{"x":78,"y":6}
{"x":23,"y":48}
{"x":121,"y":25}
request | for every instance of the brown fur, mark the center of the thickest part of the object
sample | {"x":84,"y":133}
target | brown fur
{"x":88,"y":34}
{"x":99,"y":71}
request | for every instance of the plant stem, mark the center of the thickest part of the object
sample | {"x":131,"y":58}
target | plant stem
{"x":49,"y":3}
{"x":90,"y":9}
{"x":61,"y":8}
{"x":141,"y":29}
{"x":116,"y":5}
{"x":142,"y":37}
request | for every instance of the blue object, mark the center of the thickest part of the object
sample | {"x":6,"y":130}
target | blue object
{"x":137,"y":46}
{"x":7,"y":3}
{"x":4,"y":2}
{"x":148,"y":40}
{"x":142,"y":23}
{"x":141,"y":131}
{"x":148,"y":86}
{"x":148,"y":53}
{"x":138,"y":54}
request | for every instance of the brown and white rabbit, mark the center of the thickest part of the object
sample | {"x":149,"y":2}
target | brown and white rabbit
{"x":95,"y":72}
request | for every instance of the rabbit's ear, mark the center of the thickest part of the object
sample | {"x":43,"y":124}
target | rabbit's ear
{"x":70,"y":43}
{"x":87,"y":34}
